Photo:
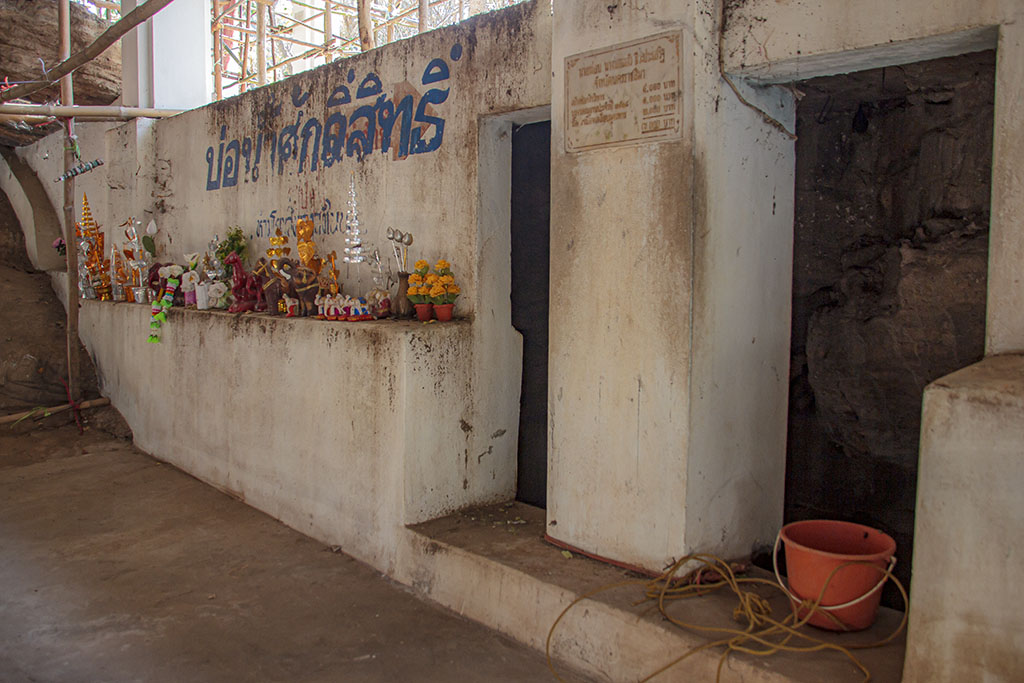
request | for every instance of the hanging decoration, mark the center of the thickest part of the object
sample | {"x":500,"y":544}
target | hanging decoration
{"x":78,"y":170}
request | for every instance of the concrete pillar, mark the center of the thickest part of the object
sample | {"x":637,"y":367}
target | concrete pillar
{"x":668,"y":371}
{"x":166,"y":62}
{"x":1005,"y":316}
{"x":966,"y":618}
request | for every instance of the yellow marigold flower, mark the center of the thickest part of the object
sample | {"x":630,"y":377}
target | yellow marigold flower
{"x":421,"y":265}
{"x":454,"y":289}
{"x":416,"y":279}
{"x":432,"y":279}
{"x":442,"y":265}
{"x":412,"y":291}
{"x":447,"y":279}
{"x":437,"y":290}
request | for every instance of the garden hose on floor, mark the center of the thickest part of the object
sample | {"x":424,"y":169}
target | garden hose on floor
{"x":763,"y":635}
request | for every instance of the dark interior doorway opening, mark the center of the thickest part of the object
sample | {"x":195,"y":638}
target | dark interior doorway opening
{"x":530,"y":214}
{"x":889,"y":279}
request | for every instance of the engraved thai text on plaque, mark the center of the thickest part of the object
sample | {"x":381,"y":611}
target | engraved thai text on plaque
{"x":628,"y":93}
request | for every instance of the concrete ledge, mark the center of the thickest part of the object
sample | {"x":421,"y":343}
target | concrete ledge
{"x":344,"y":431}
{"x":491,"y":565}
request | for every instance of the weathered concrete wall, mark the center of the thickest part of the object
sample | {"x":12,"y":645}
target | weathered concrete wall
{"x":345,"y":431}
{"x":967,"y":620}
{"x":662,"y":400}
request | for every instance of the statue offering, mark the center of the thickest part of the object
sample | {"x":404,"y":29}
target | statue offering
{"x":93,"y":280}
{"x":306,"y":247}
{"x":218,"y":295}
{"x":189,"y":280}
{"x":212,"y":266}
{"x":245,"y":287}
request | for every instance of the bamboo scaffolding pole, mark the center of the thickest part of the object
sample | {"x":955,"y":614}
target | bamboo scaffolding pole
{"x":366,"y":27}
{"x":96,"y":48}
{"x":67,"y":98}
{"x":424,"y":18}
{"x":277,"y":36}
{"x":47,"y":412}
{"x":218,"y":58}
{"x":328,"y":30}
{"x":261,"y":44}
{"x":245,"y":42}
{"x":106,"y":5}
{"x":218,"y":18}
{"x":65,"y":111}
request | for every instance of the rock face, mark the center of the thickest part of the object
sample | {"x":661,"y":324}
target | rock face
{"x":890,"y":271}
{"x":31,"y":34}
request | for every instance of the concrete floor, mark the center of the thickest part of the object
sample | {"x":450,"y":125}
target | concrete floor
{"x":115,"y":567}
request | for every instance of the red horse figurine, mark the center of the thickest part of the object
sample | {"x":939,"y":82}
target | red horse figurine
{"x":246,"y":288}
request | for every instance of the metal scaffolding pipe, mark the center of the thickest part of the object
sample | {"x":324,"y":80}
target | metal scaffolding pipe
{"x":111,"y":111}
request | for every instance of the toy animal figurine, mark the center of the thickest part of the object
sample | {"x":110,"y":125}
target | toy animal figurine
{"x":379,"y":301}
{"x":246,"y":287}
{"x":301,"y":285}
{"x":322,"y":301}
{"x":271,"y":283}
{"x":359,"y":310}
{"x":291,"y":306}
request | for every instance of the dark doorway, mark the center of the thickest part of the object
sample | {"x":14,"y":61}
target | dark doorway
{"x":889,"y":280}
{"x":531,"y":192}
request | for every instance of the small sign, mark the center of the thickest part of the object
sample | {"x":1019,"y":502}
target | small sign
{"x":624,"y":94}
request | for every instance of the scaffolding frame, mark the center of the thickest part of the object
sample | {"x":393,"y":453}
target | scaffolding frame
{"x":256,"y":42}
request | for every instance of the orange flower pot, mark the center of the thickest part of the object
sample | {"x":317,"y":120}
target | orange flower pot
{"x":424,"y":312}
{"x":443,"y":312}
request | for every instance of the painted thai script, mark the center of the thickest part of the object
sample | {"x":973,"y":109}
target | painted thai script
{"x":326,"y":221}
{"x":403,"y":122}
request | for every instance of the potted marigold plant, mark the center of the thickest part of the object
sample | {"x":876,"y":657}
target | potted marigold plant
{"x":443,"y":290}
{"x":419,"y":291}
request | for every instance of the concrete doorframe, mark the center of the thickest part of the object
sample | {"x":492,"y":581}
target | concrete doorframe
{"x":494,"y":249}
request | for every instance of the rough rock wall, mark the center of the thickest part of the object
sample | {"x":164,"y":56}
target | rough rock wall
{"x":30,"y":43}
{"x":890,"y":264}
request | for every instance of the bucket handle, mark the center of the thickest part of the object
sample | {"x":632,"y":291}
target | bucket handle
{"x":829,"y":608}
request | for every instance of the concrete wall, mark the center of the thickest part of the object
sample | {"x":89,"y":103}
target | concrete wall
{"x":670,"y":369}
{"x":344,"y":431}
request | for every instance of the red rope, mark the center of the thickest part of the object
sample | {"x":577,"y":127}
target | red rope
{"x":74,"y":406}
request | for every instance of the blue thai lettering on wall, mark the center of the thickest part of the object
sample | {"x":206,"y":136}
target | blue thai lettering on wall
{"x":404,"y":122}
{"x":326,"y":221}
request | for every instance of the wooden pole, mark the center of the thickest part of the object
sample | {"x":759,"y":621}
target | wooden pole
{"x":365,"y":26}
{"x":67,"y":98}
{"x":40,"y":413}
{"x":245,"y":46}
{"x":218,"y":57}
{"x":328,"y":30}
{"x":424,"y":16}
{"x":261,"y":44}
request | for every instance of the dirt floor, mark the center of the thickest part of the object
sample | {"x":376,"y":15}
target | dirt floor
{"x":116,"y":567}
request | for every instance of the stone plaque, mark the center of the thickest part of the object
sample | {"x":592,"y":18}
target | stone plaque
{"x":624,"y":94}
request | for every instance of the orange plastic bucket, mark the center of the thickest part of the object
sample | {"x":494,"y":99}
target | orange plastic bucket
{"x":815,"y":548}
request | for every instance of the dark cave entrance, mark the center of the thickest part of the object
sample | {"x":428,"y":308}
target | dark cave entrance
{"x":889,"y":279}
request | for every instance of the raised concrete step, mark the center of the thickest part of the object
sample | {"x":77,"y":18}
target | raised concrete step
{"x":491,"y":565}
